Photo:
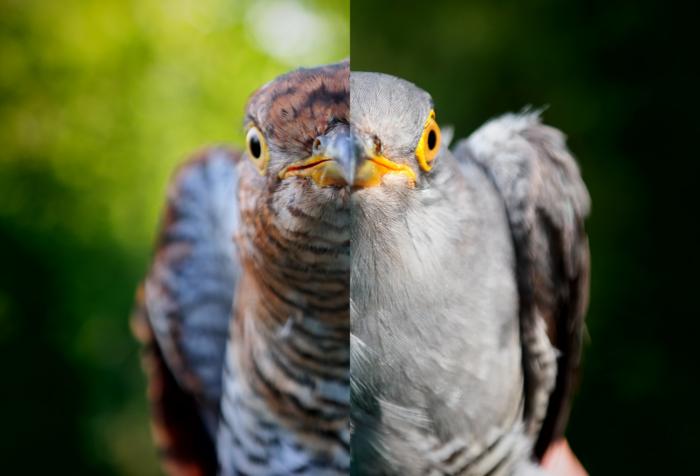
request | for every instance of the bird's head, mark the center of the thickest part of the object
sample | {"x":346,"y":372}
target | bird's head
{"x":397,"y":138}
{"x":340,"y":130}
{"x":298,"y":137}
{"x":316,"y":135}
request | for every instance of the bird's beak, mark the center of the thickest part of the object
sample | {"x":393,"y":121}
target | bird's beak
{"x":333,"y":160}
{"x":341,"y":158}
{"x":371,"y":169}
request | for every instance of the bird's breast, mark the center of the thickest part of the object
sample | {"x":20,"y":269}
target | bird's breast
{"x":434,"y":299}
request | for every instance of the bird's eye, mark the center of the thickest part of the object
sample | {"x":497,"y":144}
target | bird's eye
{"x":257,"y":149}
{"x":429,"y":143}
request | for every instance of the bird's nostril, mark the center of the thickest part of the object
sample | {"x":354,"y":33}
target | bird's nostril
{"x":377,"y":146}
{"x":317,"y":145}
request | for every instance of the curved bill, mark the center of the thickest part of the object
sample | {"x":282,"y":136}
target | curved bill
{"x":333,"y":161}
{"x":340,"y":158}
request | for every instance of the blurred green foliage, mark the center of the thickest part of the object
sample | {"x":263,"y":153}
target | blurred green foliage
{"x":99,"y":100}
{"x":618,"y":78}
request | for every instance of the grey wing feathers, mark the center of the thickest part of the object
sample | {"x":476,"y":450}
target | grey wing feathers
{"x":190,"y":289}
{"x":546,"y":202}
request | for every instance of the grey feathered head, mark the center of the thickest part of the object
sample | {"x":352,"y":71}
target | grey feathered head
{"x":395,"y":129}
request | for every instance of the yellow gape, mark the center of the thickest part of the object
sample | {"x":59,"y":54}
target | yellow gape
{"x":429,"y":143}
{"x":257,"y":149}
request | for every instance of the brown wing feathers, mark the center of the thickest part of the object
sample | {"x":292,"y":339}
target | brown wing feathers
{"x":183,"y":309}
{"x":183,"y":443}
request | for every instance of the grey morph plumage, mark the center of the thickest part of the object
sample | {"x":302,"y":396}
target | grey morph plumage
{"x":467,"y":293}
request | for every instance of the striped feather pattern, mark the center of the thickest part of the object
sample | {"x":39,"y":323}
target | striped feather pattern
{"x":183,"y":443}
{"x":189,"y":291}
{"x":295,"y":109}
{"x":246,"y":305}
{"x":289,"y":360}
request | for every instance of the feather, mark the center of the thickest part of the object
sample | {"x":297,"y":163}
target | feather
{"x":184,"y":307}
{"x":546,"y":203}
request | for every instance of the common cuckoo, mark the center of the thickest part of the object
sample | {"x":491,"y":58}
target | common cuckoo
{"x":348,"y":273}
{"x":468,"y":287}
{"x":246,"y":307}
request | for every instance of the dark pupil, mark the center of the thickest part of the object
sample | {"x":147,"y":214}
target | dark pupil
{"x":255,"y":148}
{"x":432,"y":139}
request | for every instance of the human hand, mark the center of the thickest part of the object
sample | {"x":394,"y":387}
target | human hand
{"x":559,"y":460}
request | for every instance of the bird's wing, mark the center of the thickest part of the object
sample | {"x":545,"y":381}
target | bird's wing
{"x":546,"y":202}
{"x":185,"y":305}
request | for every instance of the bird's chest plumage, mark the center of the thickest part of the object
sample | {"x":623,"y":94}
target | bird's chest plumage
{"x":286,"y":398}
{"x":434,"y":316}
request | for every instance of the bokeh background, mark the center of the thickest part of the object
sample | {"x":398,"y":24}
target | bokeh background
{"x":99,"y":99}
{"x":620,"y":78}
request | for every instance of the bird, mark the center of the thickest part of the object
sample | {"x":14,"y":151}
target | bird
{"x":350,"y":295}
{"x":469,"y":285}
{"x":244,"y":313}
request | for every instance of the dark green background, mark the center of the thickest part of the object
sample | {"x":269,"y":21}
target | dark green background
{"x":619,"y":79}
{"x":99,"y":99}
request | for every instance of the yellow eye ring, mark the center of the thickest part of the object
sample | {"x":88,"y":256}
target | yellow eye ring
{"x":429,"y":143}
{"x":257,"y":149}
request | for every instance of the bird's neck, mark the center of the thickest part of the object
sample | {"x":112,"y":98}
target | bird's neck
{"x":299,"y":268}
{"x":290,"y":353}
